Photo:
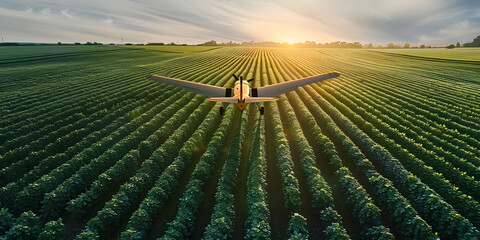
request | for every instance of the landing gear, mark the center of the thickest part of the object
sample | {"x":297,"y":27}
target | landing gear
{"x":222,"y":110}
{"x":262,"y":110}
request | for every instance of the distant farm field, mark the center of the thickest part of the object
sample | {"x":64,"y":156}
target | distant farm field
{"x":91,"y":149}
{"x":174,"y":49}
{"x":468,"y":54}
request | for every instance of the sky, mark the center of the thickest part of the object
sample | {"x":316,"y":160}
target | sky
{"x":198,"y":21}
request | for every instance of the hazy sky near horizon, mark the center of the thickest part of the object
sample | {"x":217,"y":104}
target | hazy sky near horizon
{"x":195,"y":21}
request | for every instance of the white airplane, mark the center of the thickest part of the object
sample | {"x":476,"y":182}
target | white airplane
{"x":242,"y":94}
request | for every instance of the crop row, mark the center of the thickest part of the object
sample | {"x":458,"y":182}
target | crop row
{"x":421,"y":105}
{"x":182,"y":226}
{"x":29,"y":226}
{"x":54,"y":161}
{"x":66,"y":191}
{"x":357,"y":198}
{"x":465,"y":205}
{"x":65,"y":106}
{"x":425,"y":82}
{"x":464,"y":228}
{"x":394,"y":89}
{"x":114,"y":175}
{"x":322,"y":201}
{"x":59,"y":141}
{"x":290,"y":185}
{"x":49,"y":182}
{"x":257,"y":224}
{"x":142,"y":126}
{"x":110,"y":217}
{"x":148,"y":180}
{"x":459,"y":140}
{"x":38,"y":139}
{"x":223,"y":217}
{"x":51,"y":97}
{"x":461,"y":202}
{"x":25,"y":124}
{"x":414,"y":123}
{"x":436,"y":77}
{"x":388,"y":198}
{"x":90,"y":176}
{"x":437,"y":212}
{"x":385,"y":89}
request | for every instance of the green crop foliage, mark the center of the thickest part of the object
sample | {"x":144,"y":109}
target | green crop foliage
{"x":90,"y":149}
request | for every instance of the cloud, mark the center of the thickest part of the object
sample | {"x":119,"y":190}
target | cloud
{"x":449,"y":33}
{"x":194,"y":21}
{"x":388,"y":20}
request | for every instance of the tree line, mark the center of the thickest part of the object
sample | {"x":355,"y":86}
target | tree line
{"x":306,"y":44}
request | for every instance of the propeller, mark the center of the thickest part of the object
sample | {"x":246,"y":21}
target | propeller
{"x":241,"y":78}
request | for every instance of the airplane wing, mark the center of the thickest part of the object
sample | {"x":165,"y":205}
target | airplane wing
{"x":199,"y":88}
{"x":247,"y":100}
{"x":260,"y":99}
{"x":284,"y":87}
{"x":223,"y":99}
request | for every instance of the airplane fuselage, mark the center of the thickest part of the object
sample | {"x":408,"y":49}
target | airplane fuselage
{"x":240,"y":92}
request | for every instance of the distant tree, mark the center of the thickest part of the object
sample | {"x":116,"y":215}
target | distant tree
{"x":59,"y":43}
{"x":77,"y":43}
{"x":111,"y":44}
{"x":89,"y":43}
{"x":172,"y":44}
{"x":422,"y":46}
{"x":209,"y":43}
{"x":370,"y":45}
{"x":230,"y":43}
{"x":458,"y":45}
{"x":407,"y":45}
{"x":310,"y":44}
{"x":161,"y":43}
{"x":451,"y":46}
{"x":475,"y":43}
{"x":355,"y":45}
{"x":390,"y":45}
{"x":128,"y":44}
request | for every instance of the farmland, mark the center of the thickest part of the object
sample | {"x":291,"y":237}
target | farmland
{"x":91,"y":149}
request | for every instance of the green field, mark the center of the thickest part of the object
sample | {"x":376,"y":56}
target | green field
{"x":90,"y":149}
{"x":25,"y":53}
{"x":468,"y":54}
{"x":174,"y":49}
